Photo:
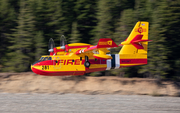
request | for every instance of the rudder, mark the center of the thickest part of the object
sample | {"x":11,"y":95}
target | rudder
{"x":134,"y":48}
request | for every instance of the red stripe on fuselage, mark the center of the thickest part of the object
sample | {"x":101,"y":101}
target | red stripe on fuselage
{"x":60,"y":50}
{"x":74,"y":47}
{"x":47,"y":62}
{"x":69,"y":62}
{"x":92,"y":61}
{"x":57,"y":73}
{"x":133,"y":61}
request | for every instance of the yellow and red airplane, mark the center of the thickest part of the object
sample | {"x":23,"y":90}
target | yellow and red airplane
{"x":81,"y":58}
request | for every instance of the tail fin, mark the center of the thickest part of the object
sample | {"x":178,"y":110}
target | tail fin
{"x":135,"y":46}
{"x":137,"y":41}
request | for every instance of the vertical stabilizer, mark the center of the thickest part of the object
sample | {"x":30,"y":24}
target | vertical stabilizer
{"x":134,"y":50}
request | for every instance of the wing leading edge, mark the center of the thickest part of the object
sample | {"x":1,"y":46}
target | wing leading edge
{"x":102,"y":46}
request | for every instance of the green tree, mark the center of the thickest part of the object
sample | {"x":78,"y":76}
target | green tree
{"x":126,"y":25}
{"x":56,"y":20}
{"x":69,"y":16}
{"x":85,"y":18}
{"x":7,"y":17}
{"x":158,"y":65}
{"x":21,"y":50}
{"x":104,"y":25}
{"x":141,"y":13}
{"x":75,"y":38}
{"x":173,"y":42}
{"x":39,"y":45}
{"x":40,"y":11}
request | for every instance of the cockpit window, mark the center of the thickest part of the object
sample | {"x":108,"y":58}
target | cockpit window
{"x":49,"y":58}
{"x":41,"y":59}
{"x":45,"y":58}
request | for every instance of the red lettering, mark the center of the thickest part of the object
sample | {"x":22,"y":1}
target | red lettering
{"x":82,"y":63}
{"x":59,"y":61}
{"x":69,"y":62}
{"x":77,"y":62}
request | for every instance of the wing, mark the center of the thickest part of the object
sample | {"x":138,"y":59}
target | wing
{"x":99,"y":51}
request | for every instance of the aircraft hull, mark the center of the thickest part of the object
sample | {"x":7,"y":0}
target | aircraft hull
{"x":53,"y":68}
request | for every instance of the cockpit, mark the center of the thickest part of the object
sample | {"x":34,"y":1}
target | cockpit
{"x":43,"y":58}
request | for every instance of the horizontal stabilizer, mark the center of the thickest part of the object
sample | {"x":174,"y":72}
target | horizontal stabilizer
{"x":138,"y":46}
{"x":136,"y":42}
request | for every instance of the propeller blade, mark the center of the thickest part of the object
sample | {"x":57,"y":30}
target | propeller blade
{"x":62,"y":41}
{"x":51,"y":45}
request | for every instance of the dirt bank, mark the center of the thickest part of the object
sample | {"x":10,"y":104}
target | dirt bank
{"x":31,"y":83}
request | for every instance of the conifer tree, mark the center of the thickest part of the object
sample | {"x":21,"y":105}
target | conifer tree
{"x":40,"y":11}
{"x":40,"y":46}
{"x":7,"y":17}
{"x":157,"y":55}
{"x":85,"y":17}
{"x":104,"y":25}
{"x":69,"y":16}
{"x":140,"y":10}
{"x":21,"y":50}
{"x":172,"y":23}
{"x":127,"y":23}
{"x":55,"y":24}
{"x":75,"y":38}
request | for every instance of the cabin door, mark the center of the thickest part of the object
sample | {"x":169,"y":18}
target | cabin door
{"x":57,"y":63}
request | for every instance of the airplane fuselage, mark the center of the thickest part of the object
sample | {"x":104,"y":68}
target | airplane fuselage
{"x":66,"y":65}
{"x":81,"y":58}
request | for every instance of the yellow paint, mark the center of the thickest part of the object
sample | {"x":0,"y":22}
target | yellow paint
{"x":128,"y":51}
{"x":103,"y":56}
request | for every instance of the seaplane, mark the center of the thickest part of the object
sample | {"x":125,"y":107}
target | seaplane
{"x":82,"y":58}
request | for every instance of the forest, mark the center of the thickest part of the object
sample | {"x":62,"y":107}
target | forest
{"x":27,"y":25}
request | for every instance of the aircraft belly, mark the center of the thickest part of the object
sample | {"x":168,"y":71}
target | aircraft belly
{"x":69,"y":68}
{"x":96,"y":67}
{"x":59,"y":69}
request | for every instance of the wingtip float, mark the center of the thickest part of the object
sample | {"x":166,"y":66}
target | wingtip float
{"x":81,"y":58}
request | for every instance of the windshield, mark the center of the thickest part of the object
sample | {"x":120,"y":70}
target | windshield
{"x":49,"y":58}
{"x":45,"y":58}
{"x":41,"y":58}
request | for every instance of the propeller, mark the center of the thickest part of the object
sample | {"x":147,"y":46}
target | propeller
{"x":62,"y":42}
{"x":51,"y":45}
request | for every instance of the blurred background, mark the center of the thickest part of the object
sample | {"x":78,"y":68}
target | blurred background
{"x":27,"y":25}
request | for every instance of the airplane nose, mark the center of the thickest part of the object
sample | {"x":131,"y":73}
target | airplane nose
{"x":34,"y":69}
